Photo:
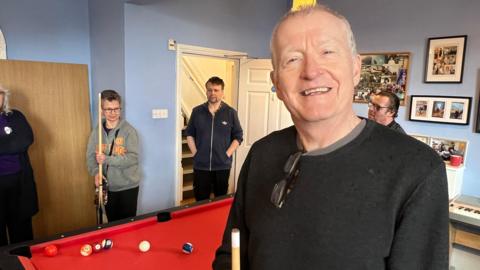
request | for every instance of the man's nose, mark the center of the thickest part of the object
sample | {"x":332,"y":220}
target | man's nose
{"x":311,"y":68}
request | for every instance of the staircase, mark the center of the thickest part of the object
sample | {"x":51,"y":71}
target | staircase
{"x":187,"y":177}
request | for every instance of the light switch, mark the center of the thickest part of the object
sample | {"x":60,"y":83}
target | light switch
{"x":159,"y":113}
{"x":172,"y":45}
{"x":163,"y":113}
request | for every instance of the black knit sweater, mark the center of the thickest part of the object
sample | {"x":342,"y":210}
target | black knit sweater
{"x":378,"y":202}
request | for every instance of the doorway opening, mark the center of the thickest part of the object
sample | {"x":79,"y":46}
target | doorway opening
{"x":195,"y":65}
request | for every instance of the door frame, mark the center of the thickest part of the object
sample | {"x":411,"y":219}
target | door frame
{"x":184,"y":49}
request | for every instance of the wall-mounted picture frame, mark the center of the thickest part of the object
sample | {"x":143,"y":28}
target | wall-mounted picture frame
{"x":445,"y":59}
{"x":422,"y":138}
{"x":440,"y":109}
{"x":383,"y":72}
{"x":445,"y":148}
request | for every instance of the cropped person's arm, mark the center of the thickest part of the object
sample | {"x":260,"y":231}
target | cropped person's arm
{"x":237,"y":131}
{"x":422,"y":231}
{"x":191,"y":133}
{"x":20,"y":138}
{"x":237,"y":135}
{"x":233,"y":146}
{"x":92,"y":145}
{"x":191,"y":144}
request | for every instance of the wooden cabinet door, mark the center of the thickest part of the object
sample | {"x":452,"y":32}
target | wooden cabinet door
{"x":55,"y":99}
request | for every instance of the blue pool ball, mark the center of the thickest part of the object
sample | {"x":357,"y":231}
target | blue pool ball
{"x":107,"y":243}
{"x":187,"y":248}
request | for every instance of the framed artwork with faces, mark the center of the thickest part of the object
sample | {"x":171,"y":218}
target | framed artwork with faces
{"x":383,"y":72}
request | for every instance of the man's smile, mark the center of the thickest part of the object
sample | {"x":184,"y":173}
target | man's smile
{"x":316,"y":91}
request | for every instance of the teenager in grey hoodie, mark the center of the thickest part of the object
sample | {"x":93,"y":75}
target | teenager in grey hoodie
{"x":119,"y":157}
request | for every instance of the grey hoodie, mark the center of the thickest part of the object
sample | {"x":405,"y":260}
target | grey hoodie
{"x":123,"y":171}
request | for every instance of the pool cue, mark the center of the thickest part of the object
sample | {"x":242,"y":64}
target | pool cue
{"x":235,"y":249}
{"x":101,"y":207}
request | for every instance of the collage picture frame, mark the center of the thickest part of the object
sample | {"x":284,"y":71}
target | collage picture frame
{"x":445,"y":147}
{"x":440,"y":109}
{"x":445,"y":59}
{"x":383,"y":72}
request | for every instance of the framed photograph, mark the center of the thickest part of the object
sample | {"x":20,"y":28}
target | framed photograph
{"x":445,"y":59}
{"x":440,"y":109}
{"x":422,"y":138}
{"x":444,"y":147}
{"x":383,"y":72}
{"x":448,"y":147}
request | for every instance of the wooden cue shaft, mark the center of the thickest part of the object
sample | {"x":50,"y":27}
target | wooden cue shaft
{"x":235,"y":249}
{"x":100,"y":167}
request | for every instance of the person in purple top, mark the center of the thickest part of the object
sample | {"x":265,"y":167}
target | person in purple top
{"x":18,"y":195}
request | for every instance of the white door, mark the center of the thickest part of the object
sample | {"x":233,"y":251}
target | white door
{"x":259,"y":110}
{"x":3,"y":46}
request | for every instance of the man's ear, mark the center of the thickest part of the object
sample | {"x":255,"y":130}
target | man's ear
{"x":390,"y":113}
{"x":357,"y":67}
{"x":273,"y":77}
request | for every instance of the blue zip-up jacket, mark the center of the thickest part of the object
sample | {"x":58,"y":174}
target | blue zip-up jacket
{"x":213,"y":135}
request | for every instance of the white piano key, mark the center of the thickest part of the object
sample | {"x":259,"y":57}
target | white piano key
{"x":465,"y":209}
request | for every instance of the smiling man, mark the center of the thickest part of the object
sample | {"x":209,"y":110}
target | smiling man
{"x":334,"y":191}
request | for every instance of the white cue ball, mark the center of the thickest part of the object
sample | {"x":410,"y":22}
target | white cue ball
{"x":144,"y":246}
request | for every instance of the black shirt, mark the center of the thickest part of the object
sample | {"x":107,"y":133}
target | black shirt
{"x":370,"y":204}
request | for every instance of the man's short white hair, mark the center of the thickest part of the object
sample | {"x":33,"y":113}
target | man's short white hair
{"x":6,"y":105}
{"x":306,"y":10}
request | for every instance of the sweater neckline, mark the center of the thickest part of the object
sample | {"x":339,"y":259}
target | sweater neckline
{"x":355,"y":137}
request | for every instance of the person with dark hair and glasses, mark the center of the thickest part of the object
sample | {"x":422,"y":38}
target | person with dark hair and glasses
{"x":213,"y":134}
{"x":119,"y":156}
{"x":383,"y":109}
{"x":334,"y":191}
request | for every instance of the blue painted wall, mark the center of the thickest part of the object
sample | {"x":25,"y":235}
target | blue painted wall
{"x":47,"y":30}
{"x":126,"y":46}
{"x":107,"y":43}
{"x":383,"y":26}
{"x":151,"y":72}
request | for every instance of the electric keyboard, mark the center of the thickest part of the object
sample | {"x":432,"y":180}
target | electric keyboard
{"x":465,"y":209}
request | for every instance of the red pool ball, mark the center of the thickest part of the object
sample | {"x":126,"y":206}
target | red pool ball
{"x":97,"y":247}
{"x":50,"y":250}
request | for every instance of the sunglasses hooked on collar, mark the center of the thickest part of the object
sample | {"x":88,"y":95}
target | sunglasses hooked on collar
{"x":285,"y":186}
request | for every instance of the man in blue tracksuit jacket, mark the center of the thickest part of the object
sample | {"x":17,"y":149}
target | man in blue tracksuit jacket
{"x":213,"y":135}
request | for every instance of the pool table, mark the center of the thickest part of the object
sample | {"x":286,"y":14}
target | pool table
{"x":200,"y":224}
